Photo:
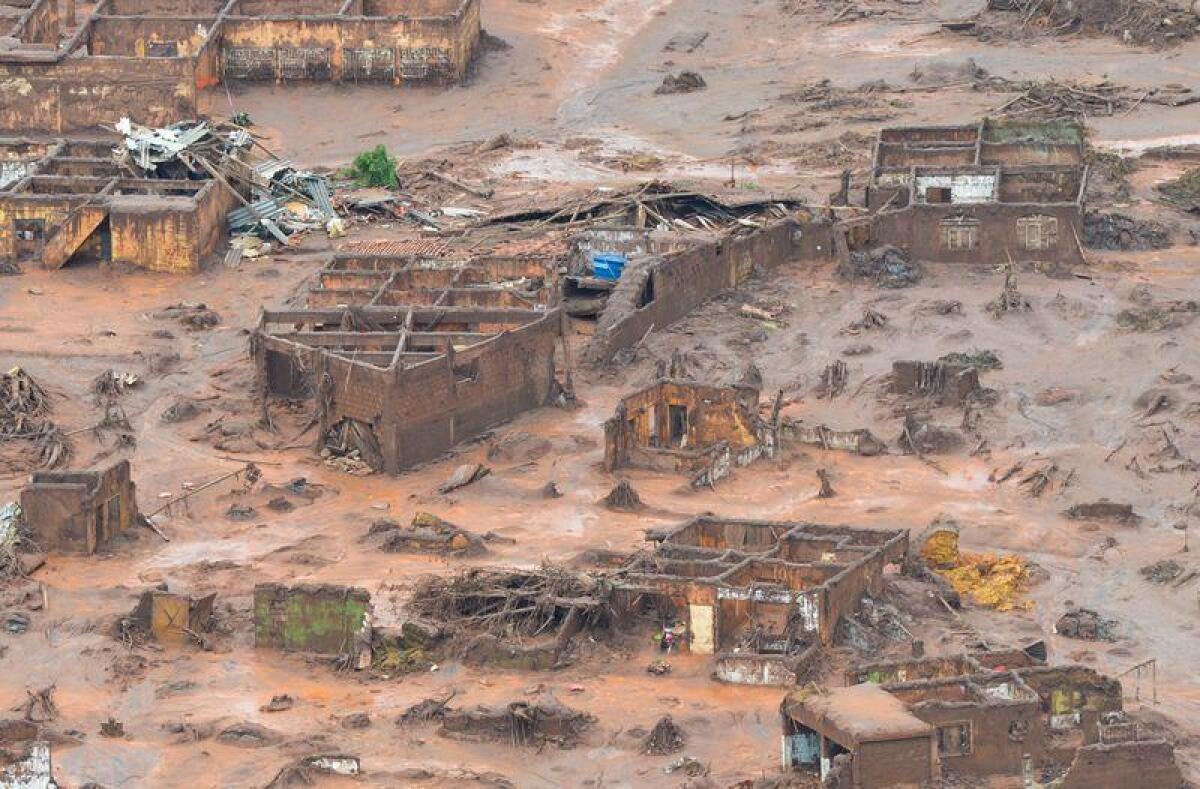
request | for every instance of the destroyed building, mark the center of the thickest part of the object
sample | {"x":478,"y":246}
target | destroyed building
{"x":974,"y":717}
{"x":159,"y":60}
{"x":79,"y":511}
{"x":689,"y":428}
{"x":428,"y":272}
{"x":993,"y":192}
{"x":400,"y":385}
{"x":761,"y":596}
{"x":69,"y":201}
{"x":704,"y":431}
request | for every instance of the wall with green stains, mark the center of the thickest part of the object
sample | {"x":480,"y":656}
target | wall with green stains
{"x":321,"y":619}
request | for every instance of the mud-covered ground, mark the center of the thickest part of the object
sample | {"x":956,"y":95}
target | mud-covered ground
{"x":576,"y":89}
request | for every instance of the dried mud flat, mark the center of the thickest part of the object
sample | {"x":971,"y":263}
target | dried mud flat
{"x":1099,"y":376}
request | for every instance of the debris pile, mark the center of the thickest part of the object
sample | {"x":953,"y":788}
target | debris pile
{"x":110,"y":385}
{"x":665,"y":738}
{"x":684,"y":82}
{"x":352,"y":447}
{"x":24,"y":406}
{"x":428,"y":534}
{"x":512,"y":603}
{"x":1010,"y":299}
{"x":1034,"y":476}
{"x":1086,"y":625}
{"x":1104,"y":510}
{"x":1139,"y":22}
{"x":623,"y":498}
{"x":1048,"y":100}
{"x":192,"y":316}
{"x":1162,"y":572}
{"x":521,"y":723}
{"x":888,"y":266}
{"x":1158,"y":317}
{"x":987,"y":580}
{"x":1120,"y":232}
{"x":282,"y":198}
{"x":1183,"y":192}
{"x":979,"y":359}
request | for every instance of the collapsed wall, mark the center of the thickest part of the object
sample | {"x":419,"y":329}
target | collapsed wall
{"x":656,"y":291}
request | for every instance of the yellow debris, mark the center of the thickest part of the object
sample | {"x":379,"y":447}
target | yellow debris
{"x":941,"y":549}
{"x":983,"y":578}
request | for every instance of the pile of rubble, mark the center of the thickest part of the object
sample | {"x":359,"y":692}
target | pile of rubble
{"x":1047,"y":100}
{"x":887,"y":266}
{"x":987,"y":580}
{"x":283,"y":200}
{"x":24,"y":408}
{"x":1139,"y":22}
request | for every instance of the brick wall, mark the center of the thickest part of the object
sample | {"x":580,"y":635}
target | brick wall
{"x":682,"y":281}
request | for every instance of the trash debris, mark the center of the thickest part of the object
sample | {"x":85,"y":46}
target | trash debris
{"x":426,"y":710}
{"x":39,"y":706}
{"x":1086,"y":625}
{"x":1158,"y":317}
{"x":920,"y":436}
{"x":521,"y":723}
{"x":16,"y":622}
{"x":112,"y":728}
{"x":888,"y":266}
{"x":1104,"y":510}
{"x":464,"y":475}
{"x":1120,"y":232}
{"x":429,"y":533}
{"x":280,"y":703}
{"x":1162,"y":572}
{"x":1010,"y":299}
{"x":356,"y":721}
{"x":833,"y":381}
{"x":1183,"y":192}
{"x":659,"y":668}
{"x":623,"y":498}
{"x":979,"y":359}
{"x":987,"y":580}
{"x":110,"y":385}
{"x":666,"y":737}
{"x":248,"y":735}
{"x":307,"y":770}
{"x":684,"y":82}
{"x":826,"y":491}
{"x":688,"y":766}
{"x":192,"y":316}
{"x":871,"y":320}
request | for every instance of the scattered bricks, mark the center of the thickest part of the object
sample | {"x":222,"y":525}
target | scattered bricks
{"x":325,"y":619}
